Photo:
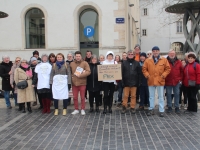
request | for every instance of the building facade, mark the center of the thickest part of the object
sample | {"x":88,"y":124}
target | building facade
{"x":160,"y":28}
{"x":64,"y":26}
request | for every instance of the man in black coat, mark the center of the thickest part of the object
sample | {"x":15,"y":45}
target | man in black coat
{"x":131,"y":73}
{"x":5,"y":71}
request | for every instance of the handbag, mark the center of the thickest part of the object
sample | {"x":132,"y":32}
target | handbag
{"x":22,"y":84}
{"x":190,"y":82}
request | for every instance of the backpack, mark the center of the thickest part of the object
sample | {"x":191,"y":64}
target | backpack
{"x":194,"y":65}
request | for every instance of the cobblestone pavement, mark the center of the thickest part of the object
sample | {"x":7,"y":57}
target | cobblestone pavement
{"x":94,"y":131}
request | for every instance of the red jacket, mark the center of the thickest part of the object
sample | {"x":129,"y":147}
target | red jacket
{"x":176,"y":73}
{"x":193,"y":74}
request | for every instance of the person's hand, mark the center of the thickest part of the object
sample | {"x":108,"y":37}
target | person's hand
{"x":33,"y":85}
{"x":10,"y":73}
{"x":12,"y":86}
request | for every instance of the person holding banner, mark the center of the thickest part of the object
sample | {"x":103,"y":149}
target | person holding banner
{"x":60,"y":82}
{"x":108,"y":85}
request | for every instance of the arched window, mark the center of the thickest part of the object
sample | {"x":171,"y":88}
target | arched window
{"x":89,"y":31}
{"x":35,"y":29}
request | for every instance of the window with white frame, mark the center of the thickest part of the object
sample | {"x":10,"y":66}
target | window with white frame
{"x":144,"y":32}
{"x":145,"y":12}
{"x":179,"y":26}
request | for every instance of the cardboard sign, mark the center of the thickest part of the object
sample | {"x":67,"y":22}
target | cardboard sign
{"x":109,"y":72}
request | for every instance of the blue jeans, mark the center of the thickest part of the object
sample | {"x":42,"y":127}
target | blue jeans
{"x":176,"y":91}
{"x":15,"y":98}
{"x":160,"y":90}
{"x":120,"y":91}
{"x":7,"y":98}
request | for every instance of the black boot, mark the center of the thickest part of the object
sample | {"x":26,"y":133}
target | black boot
{"x":110,"y":109}
{"x":91,"y":109}
{"x":97,"y":109}
{"x":20,"y":107}
{"x":23,"y":107}
{"x":29,"y":107}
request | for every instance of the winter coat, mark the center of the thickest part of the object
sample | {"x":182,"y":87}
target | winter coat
{"x":64,"y":70}
{"x":156,"y":73}
{"x":190,"y":73}
{"x":131,"y":73}
{"x":82,"y":79}
{"x":143,"y":79}
{"x":12,"y":77}
{"x":27,"y":94}
{"x":5,"y":68}
{"x":176,"y":73}
{"x":92,"y":80}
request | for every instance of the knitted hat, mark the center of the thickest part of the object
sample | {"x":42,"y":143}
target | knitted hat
{"x":192,"y":55}
{"x":35,"y":53}
{"x":155,"y":48}
{"x":143,"y":54}
{"x":33,"y":59}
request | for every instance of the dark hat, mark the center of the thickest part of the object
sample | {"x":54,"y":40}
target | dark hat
{"x":35,"y":53}
{"x":137,"y":45}
{"x":143,"y":54}
{"x":155,"y":48}
{"x":192,"y":55}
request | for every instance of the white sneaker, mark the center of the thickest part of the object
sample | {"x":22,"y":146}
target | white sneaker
{"x":82,"y":112}
{"x":75,"y":112}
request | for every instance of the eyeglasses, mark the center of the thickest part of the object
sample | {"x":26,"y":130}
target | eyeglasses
{"x":17,"y":60}
{"x":149,"y":54}
{"x":130,"y":54}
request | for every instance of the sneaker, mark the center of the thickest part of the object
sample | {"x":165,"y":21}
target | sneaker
{"x":185,"y":106}
{"x":132,"y":110}
{"x":161,"y":114}
{"x":177,"y":110}
{"x":119,"y":105}
{"x":169,"y":110}
{"x":75,"y":112}
{"x":123,"y":110}
{"x":150,"y":112}
{"x":82,"y":112}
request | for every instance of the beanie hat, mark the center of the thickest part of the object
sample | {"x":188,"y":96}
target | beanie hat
{"x":33,"y":59}
{"x":137,"y":45}
{"x":192,"y":55}
{"x":35,"y":53}
{"x":143,"y":54}
{"x":155,"y":48}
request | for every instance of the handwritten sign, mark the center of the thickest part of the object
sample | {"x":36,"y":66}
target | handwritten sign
{"x":109,"y":72}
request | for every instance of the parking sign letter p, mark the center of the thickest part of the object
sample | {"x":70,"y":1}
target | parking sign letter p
{"x":88,"y":30}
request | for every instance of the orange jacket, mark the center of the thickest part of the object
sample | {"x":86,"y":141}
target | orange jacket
{"x":156,"y":73}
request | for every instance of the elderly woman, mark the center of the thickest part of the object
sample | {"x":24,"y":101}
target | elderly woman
{"x":5,"y":73}
{"x":12,"y":83}
{"x":41,"y":80}
{"x":191,"y":80}
{"x":60,"y":79}
{"x":26,"y":95}
{"x":93,"y":85}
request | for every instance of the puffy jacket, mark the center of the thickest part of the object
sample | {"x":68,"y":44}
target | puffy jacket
{"x":156,"y":73}
{"x":92,"y":80}
{"x":131,"y":73}
{"x":5,"y":68}
{"x":191,"y":74}
{"x":176,"y":73}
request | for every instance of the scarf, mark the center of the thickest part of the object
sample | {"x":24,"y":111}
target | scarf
{"x":27,"y":69}
{"x":172,"y":60}
{"x":156,"y":59}
{"x":141,"y":63}
{"x":60,"y":63}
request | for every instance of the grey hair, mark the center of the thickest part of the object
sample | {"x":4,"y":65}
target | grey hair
{"x":101,"y":55}
{"x":45,"y":55}
{"x":24,"y":60}
{"x":130,"y":51}
{"x":171,"y":50}
{"x":94,"y":56}
{"x":186,"y":54}
{"x":70,"y":53}
{"x":5,"y":56}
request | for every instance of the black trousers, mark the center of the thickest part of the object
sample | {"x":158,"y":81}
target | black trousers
{"x":65,"y":101}
{"x":39,"y":96}
{"x":192,"y":98}
{"x":108,"y":89}
{"x":93,"y":95}
{"x":144,"y":95}
{"x":183,"y":90}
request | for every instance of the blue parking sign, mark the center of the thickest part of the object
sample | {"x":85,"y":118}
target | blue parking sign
{"x":89,"y":31}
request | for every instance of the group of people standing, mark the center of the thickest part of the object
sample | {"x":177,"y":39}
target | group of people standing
{"x":52,"y":76}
